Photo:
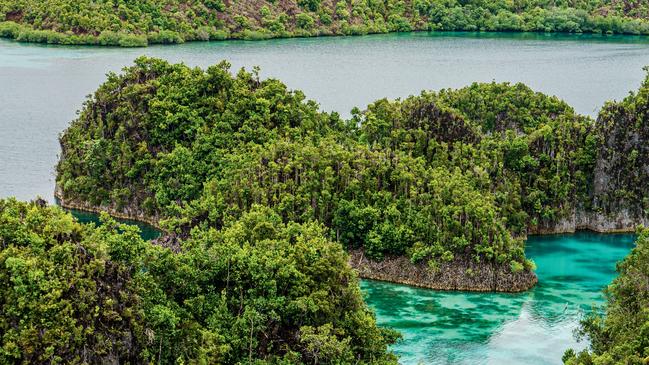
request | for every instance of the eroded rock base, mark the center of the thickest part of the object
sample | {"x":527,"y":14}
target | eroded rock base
{"x":459,"y":274}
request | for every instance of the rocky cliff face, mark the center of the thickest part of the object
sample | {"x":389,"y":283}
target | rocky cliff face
{"x":618,"y":191}
{"x":615,"y":222}
{"x":459,"y":274}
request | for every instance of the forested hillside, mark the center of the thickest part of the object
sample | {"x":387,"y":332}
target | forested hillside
{"x":442,"y":177}
{"x":257,"y":291}
{"x":138,"y":23}
{"x":622,"y":168}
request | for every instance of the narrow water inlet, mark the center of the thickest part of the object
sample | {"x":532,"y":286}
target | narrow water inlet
{"x":533,"y":327}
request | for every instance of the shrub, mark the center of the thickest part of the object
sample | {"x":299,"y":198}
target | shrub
{"x":131,"y":40}
{"x":304,"y":21}
{"x":169,"y":37}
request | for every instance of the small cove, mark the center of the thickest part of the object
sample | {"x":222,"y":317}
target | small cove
{"x":534,"y":327}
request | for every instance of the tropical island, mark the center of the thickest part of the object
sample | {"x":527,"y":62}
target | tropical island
{"x":437,"y":190}
{"x":259,"y":194}
{"x":133,"y":24}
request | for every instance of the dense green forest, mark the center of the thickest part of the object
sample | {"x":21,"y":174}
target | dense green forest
{"x":621,"y":336}
{"x":138,"y":23}
{"x":451,"y":175}
{"x":442,"y":176}
{"x":257,"y":291}
{"x":445,"y":175}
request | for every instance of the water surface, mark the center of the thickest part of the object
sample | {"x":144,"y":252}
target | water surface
{"x":41,"y":87}
{"x":534,"y":327}
{"x":147,"y":231}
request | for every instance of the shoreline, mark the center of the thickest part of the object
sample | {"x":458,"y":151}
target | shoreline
{"x":96,"y":43}
{"x":458,"y":275}
{"x":89,"y":208}
{"x":461,"y":274}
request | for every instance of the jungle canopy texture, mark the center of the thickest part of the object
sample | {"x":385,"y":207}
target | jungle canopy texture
{"x":138,"y":23}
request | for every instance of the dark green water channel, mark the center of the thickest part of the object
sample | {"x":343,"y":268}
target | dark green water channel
{"x":146,"y":231}
{"x":41,"y":87}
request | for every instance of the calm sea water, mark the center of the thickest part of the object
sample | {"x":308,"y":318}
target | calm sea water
{"x":534,"y":327}
{"x":41,"y":87}
{"x":147,"y":232}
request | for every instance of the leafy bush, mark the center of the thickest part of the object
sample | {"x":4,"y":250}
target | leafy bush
{"x":128,"y":40}
{"x":168,"y":37}
{"x":256,"y":291}
{"x":304,"y":21}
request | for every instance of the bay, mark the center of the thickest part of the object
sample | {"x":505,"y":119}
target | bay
{"x":41,"y":88}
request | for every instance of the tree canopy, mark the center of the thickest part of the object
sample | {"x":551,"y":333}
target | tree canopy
{"x":257,"y":291}
{"x":457,"y":173}
{"x":138,"y":23}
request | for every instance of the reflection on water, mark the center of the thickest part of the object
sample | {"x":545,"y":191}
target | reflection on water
{"x":534,"y":327}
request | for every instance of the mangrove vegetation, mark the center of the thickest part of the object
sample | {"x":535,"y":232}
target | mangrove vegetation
{"x":139,"y":23}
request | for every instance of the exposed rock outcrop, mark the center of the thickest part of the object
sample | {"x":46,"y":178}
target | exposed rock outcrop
{"x":616,"y":222}
{"x":459,"y":274}
{"x":129,"y":212}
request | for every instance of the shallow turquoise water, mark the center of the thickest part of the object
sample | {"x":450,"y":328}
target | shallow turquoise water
{"x":534,"y":327}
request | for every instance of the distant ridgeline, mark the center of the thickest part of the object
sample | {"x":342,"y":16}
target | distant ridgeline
{"x":138,"y":23}
{"x":437,"y":190}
